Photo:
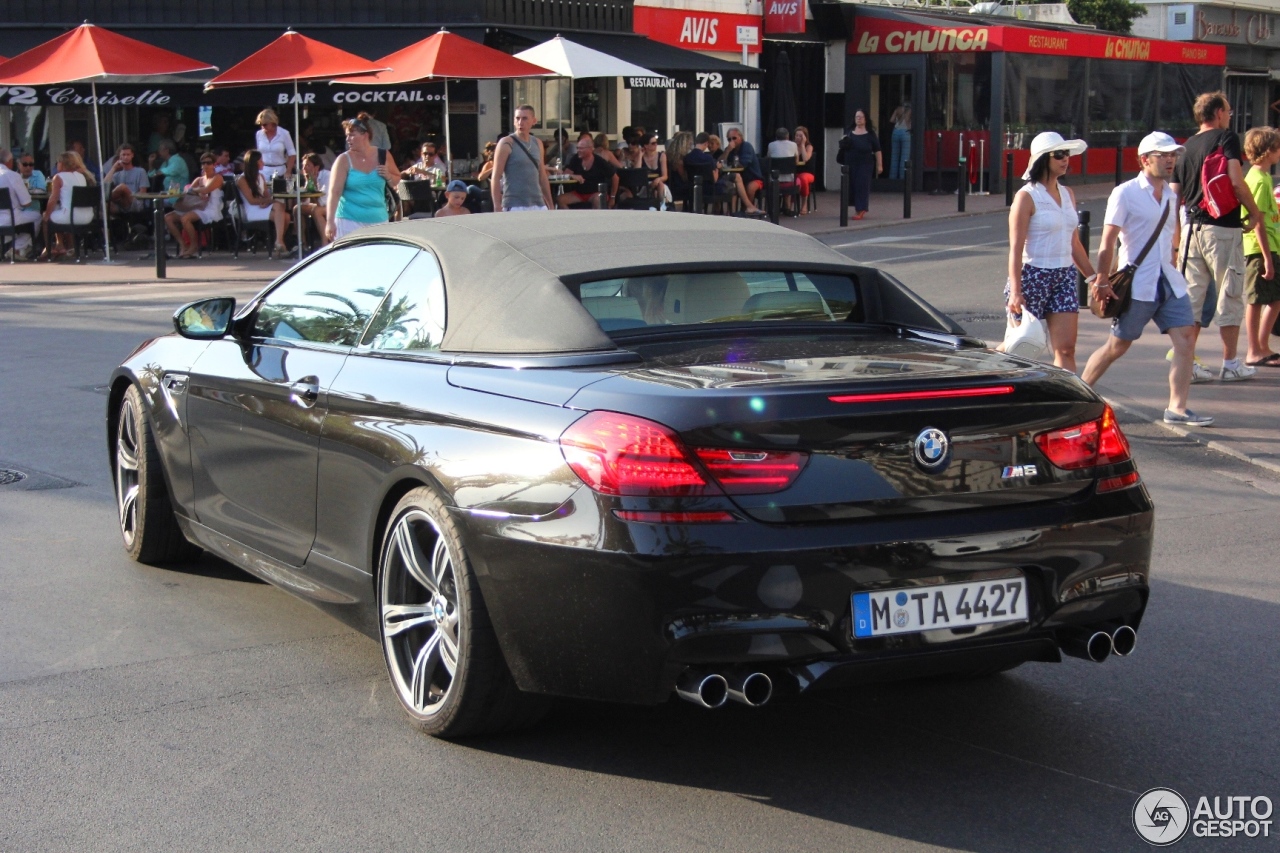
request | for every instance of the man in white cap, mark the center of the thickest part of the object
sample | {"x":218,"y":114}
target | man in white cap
{"x":1135,"y":210}
{"x":1213,"y":248}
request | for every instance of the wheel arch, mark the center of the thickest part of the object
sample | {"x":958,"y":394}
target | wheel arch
{"x":400,"y":484}
{"x":119,"y":386}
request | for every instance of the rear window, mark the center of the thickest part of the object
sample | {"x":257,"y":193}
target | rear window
{"x":682,"y":299}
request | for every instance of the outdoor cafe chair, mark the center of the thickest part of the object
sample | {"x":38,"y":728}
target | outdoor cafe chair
{"x":636,"y":182}
{"x":80,"y":231}
{"x":9,"y":233}
{"x":711,"y":195}
{"x":785,"y":167}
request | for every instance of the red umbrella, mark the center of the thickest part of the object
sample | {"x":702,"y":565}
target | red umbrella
{"x":448,"y":56}
{"x":93,"y":53}
{"x":294,"y":58}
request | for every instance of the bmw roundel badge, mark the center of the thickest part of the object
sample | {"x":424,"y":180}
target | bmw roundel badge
{"x":932,"y":450}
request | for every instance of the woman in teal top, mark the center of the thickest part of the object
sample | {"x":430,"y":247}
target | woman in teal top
{"x":357,"y":184}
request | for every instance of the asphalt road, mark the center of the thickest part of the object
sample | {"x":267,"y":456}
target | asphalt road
{"x":197,"y":709}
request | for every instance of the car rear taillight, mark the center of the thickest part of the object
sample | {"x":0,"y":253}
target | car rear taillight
{"x":648,"y":517}
{"x":618,"y":454}
{"x":1086,"y":445}
{"x":1115,"y":484}
{"x":752,"y":472}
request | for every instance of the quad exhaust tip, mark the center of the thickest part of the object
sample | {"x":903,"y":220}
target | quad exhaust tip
{"x":752,"y":689}
{"x":710,"y":690}
{"x":1123,"y":639}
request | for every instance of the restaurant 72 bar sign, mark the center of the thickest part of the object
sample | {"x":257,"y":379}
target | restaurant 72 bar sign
{"x":881,"y":36}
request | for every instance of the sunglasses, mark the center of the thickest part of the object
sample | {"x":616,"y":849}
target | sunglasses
{"x":206,"y":162}
{"x":1060,"y":155}
{"x":27,"y":164}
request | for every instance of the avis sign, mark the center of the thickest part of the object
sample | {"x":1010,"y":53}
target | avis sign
{"x":697,"y":30}
{"x":784,"y":16}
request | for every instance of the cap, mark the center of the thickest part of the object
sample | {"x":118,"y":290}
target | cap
{"x":1051,"y":141}
{"x":1159,"y":141}
{"x":456,"y":186}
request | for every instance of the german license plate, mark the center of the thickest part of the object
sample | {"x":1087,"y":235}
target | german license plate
{"x":930,"y":608}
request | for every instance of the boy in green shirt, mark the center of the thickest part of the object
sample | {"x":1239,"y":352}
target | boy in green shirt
{"x":1261,"y":296}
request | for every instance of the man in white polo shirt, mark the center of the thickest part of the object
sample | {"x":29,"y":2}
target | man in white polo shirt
{"x":1134,"y":211}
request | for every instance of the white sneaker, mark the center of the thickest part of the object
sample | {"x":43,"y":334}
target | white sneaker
{"x":1200,"y":373}
{"x":1237,"y":374}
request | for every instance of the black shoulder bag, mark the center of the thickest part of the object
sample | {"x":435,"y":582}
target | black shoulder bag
{"x":1121,"y":280}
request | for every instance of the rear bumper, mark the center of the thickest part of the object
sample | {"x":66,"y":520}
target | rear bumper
{"x":588,"y":606}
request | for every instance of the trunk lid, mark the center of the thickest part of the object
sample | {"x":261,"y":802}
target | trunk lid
{"x":777,"y":394}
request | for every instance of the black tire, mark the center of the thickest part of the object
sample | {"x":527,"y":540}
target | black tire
{"x":442,"y":655}
{"x":145,"y":514}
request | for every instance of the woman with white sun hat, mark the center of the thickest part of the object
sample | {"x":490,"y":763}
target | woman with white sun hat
{"x":1044,"y":246}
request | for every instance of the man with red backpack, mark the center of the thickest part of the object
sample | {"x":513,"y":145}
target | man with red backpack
{"x":1210,"y":184}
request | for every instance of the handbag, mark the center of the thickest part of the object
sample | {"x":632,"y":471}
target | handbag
{"x":1121,"y":280}
{"x":190,"y":202}
{"x":1026,"y":339}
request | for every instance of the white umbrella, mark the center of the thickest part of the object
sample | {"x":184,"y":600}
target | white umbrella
{"x":570,"y":59}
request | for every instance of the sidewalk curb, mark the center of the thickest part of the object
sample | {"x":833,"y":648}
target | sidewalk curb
{"x":872,"y":226}
{"x":1199,"y":436}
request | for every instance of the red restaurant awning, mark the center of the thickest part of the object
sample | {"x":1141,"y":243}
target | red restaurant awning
{"x":90,"y":53}
{"x":293,"y":56}
{"x":446,"y":55}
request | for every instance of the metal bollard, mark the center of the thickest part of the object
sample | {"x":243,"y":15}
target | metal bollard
{"x":906,"y":189}
{"x":1008,"y":179}
{"x":161,"y":256}
{"x":1082,"y":289}
{"x":697,"y":194}
{"x":774,"y":200}
{"x":937,"y":167}
{"x":602,"y":199}
{"x":1119,"y":164}
{"x":962,"y":178}
{"x":844,"y":196}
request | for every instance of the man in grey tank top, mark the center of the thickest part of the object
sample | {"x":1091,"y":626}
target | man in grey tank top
{"x":519,"y":174}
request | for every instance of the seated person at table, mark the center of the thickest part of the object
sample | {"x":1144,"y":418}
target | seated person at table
{"x":715,"y":147}
{"x":19,"y":196}
{"x":783,"y":148}
{"x":126,"y":177}
{"x":677,"y":179}
{"x":71,"y":174}
{"x":486,"y":166}
{"x":317,"y":176}
{"x":654,"y":162}
{"x":560,"y":148}
{"x":603,"y":152}
{"x":699,"y":156}
{"x":256,"y":202}
{"x":455,"y":200}
{"x":34,"y":179}
{"x":222,"y":164}
{"x":590,"y":171}
{"x":749,"y":181}
{"x":428,"y":159}
{"x":206,"y":192}
{"x":169,"y":165}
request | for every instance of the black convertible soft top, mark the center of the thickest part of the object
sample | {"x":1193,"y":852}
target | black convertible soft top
{"x":508,"y":276}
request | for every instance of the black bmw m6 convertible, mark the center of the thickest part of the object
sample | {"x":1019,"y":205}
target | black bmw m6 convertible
{"x":625,"y":455}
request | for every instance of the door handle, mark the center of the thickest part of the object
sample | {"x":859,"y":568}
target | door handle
{"x":305,"y":391}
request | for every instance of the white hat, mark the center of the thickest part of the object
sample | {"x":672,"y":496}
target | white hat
{"x":1159,"y":141}
{"x":1051,"y":141}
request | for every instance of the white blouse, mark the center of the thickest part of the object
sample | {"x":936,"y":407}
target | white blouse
{"x":275,"y":152}
{"x":1049,"y":234}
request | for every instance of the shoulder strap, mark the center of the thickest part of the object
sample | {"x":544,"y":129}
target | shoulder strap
{"x":1142,"y":256}
{"x":515,"y":140}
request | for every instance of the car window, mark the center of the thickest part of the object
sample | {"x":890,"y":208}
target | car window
{"x":331,"y":299}
{"x":637,"y":302}
{"x":412,"y":316}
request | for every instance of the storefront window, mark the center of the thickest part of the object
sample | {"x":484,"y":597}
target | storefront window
{"x":649,"y":109}
{"x":1122,"y":101}
{"x":1179,"y":87}
{"x":550,"y":98}
{"x":718,"y":106}
{"x":1043,"y":93}
{"x":29,"y":134}
{"x":686,"y":110}
{"x":958,"y":91}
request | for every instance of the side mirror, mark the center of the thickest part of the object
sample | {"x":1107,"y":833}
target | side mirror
{"x":206,"y":320}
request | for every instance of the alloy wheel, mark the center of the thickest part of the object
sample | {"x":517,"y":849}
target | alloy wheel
{"x":421,"y":620}
{"x":127,"y":483}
